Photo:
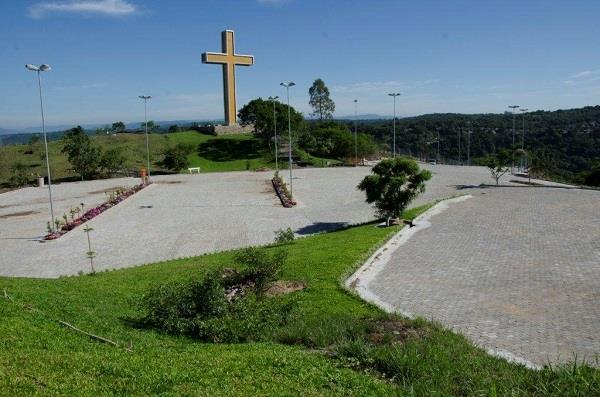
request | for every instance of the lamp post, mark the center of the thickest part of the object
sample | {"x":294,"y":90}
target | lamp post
{"x":437,"y":160}
{"x":512,"y":168}
{"x":523,"y":111}
{"x":273,"y":99}
{"x":43,"y":68}
{"x":355,"y":132}
{"x":469,"y":145}
{"x":395,"y":94}
{"x":287,"y":86}
{"x":145,"y":98}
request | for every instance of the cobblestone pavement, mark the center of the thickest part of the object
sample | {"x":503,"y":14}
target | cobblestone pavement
{"x":184,"y":215}
{"x":515,"y":269}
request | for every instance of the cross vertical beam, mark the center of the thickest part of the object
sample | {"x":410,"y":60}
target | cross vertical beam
{"x":229,"y":59}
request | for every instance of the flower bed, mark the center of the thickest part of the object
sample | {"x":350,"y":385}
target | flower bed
{"x":114,"y":199}
{"x":282,"y":192}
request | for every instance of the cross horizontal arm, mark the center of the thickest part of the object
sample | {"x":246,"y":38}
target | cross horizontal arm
{"x":214,"y":57}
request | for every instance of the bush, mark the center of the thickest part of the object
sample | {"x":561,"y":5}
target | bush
{"x":283,"y":236}
{"x":176,"y":157}
{"x":259,"y":266}
{"x":19,"y":174}
{"x":593,"y":179}
{"x":216,"y":309}
{"x":112,"y":161}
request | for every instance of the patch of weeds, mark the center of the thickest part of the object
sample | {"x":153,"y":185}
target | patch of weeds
{"x":284,"y":236}
{"x":218,"y":308}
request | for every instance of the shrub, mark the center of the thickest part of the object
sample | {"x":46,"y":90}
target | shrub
{"x":176,"y":157}
{"x":19,"y":175}
{"x":210,"y":309}
{"x":259,"y":266}
{"x":283,"y":236}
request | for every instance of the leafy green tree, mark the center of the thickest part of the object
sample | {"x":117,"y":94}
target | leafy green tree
{"x":320,"y":101}
{"x":498,"y":164}
{"x":176,"y":157}
{"x":112,"y":161}
{"x":118,"y":126}
{"x":19,"y":174}
{"x":151,"y":125}
{"x":33,"y":144}
{"x":81,"y":153}
{"x":393,"y":184}
{"x":174,"y":128}
{"x":259,"y":113}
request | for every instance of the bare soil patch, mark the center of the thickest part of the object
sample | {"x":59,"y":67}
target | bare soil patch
{"x":282,"y":287}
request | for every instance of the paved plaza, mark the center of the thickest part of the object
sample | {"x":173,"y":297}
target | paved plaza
{"x":184,"y":215}
{"x":515,"y":269}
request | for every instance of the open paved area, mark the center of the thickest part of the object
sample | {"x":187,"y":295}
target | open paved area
{"x":184,"y":215}
{"x":515,"y":269}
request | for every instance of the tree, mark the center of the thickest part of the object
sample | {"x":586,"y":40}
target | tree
{"x":174,"y":128}
{"x":81,"y":153}
{"x":498,"y":164}
{"x":19,"y":174}
{"x":33,"y":143}
{"x":118,"y":126}
{"x":259,"y":113}
{"x":320,"y":101}
{"x":393,"y":184}
{"x":151,"y":125}
{"x":112,"y":161}
{"x":176,"y":157}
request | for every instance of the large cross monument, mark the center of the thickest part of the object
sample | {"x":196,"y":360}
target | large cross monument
{"x":229,"y":59}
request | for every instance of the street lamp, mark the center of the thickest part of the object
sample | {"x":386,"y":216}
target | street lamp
{"x":512,"y":168}
{"x":273,"y":99}
{"x":145,"y":98}
{"x":523,"y":111}
{"x":355,"y":132}
{"x":43,"y":68}
{"x":287,"y":86}
{"x":395,"y":94}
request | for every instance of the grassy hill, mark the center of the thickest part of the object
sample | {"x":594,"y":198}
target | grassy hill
{"x":211,"y":154}
{"x":235,"y":152}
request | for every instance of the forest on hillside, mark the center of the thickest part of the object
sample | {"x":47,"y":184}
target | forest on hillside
{"x":568,"y":141}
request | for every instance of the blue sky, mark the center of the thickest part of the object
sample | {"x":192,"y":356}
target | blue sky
{"x":443,"y":56}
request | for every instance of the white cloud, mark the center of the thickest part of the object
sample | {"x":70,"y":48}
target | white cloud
{"x":103,"y":7}
{"x":585,"y":73}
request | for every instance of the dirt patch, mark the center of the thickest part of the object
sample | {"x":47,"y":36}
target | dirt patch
{"x":168,"y":182}
{"x":110,"y":189}
{"x":17,"y":214}
{"x":393,"y":332}
{"x":281,"y":287}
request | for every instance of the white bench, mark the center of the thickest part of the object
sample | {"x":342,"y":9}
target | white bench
{"x":192,"y":169}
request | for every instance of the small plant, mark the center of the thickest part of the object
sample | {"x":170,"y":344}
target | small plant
{"x":66,"y":219}
{"x":260,"y":267}
{"x":90,"y":254}
{"x":57,"y":223}
{"x":82,"y":207}
{"x":49,"y":227}
{"x":283,"y":236}
{"x":72,"y":212}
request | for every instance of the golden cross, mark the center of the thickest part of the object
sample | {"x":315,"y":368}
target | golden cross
{"x":229,"y":59}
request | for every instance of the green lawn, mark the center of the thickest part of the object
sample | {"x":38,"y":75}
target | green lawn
{"x":38,"y":356}
{"x":235,"y":152}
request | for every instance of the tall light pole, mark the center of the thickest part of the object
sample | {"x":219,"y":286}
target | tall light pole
{"x":395,"y":94}
{"x":43,"y":68}
{"x":145,"y":98}
{"x":523,"y":111}
{"x":273,"y":99}
{"x":287,"y":86}
{"x":437,"y":160}
{"x":459,"y":146}
{"x":355,"y":132}
{"x":469,"y":145}
{"x":512,"y":168}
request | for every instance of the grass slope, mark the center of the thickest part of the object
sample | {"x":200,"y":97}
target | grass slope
{"x":235,"y":152}
{"x":38,"y":356}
